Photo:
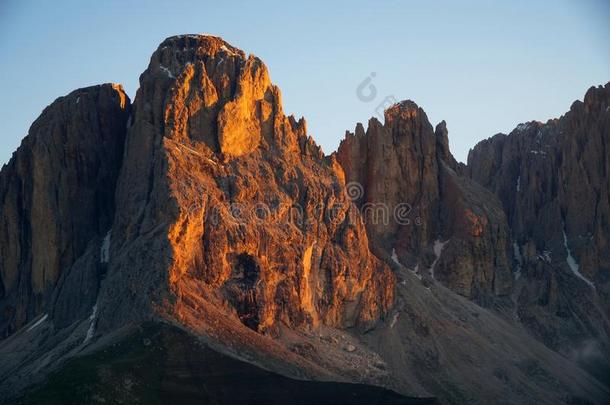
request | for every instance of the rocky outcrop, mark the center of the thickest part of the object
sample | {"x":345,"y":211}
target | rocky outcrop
{"x":226,"y":202}
{"x":552,"y":180}
{"x":56,"y":199}
{"x":420,"y":210}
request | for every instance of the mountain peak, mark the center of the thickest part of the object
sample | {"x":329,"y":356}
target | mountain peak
{"x":236,"y":102}
{"x":200,"y":44}
{"x":406,"y":110}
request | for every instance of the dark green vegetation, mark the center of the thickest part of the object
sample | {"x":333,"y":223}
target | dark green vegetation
{"x":159,"y":364}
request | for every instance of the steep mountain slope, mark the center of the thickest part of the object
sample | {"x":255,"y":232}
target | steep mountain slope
{"x":238,"y":203}
{"x":436,"y":221}
{"x":57,"y":203}
{"x":159,"y":364}
{"x":553,"y":181}
{"x":232,"y":226}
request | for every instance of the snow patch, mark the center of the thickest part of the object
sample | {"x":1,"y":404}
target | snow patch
{"x":394,"y":320}
{"x":180,"y":147}
{"x":167,"y":72}
{"x":538,"y":152}
{"x":77,"y":99}
{"x":518,"y":258}
{"x":196,"y":36}
{"x":105,"y":249}
{"x":201,"y":34}
{"x":38,"y":322}
{"x":545,"y":256}
{"x":395,"y":257}
{"x":227,"y":50}
{"x":518,"y":183}
{"x":92,"y":322}
{"x":573,"y":264}
{"x":523,"y":127}
{"x":414,"y":271}
{"x":438,"y":250}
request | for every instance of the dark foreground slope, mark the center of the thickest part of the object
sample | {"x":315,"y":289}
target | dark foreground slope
{"x":161,"y":364}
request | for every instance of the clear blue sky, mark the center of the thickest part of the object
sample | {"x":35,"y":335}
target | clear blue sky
{"x":482,"y":66}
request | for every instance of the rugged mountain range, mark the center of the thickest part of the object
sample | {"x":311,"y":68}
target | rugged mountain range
{"x":203,"y":210}
{"x":554,"y":183}
{"x":456,"y":231}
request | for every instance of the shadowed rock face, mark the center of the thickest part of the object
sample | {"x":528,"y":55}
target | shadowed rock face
{"x":225,"y":201}
{"x":553,"y":182}
{"x":57,"y":199}
{"x":440,"y":223}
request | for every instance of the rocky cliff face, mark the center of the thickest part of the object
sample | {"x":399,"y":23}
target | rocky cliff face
{"x":420,"y":210}
{"x":57,"y":203}
{"x":242,"y":209}
{"x":553,"y":182}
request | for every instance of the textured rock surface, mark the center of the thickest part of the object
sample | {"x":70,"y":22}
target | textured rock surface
{"x":553,"y":181}
{"x":226,"y":201}
{"x":56,"y":196}
{"x":437,"y":221}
